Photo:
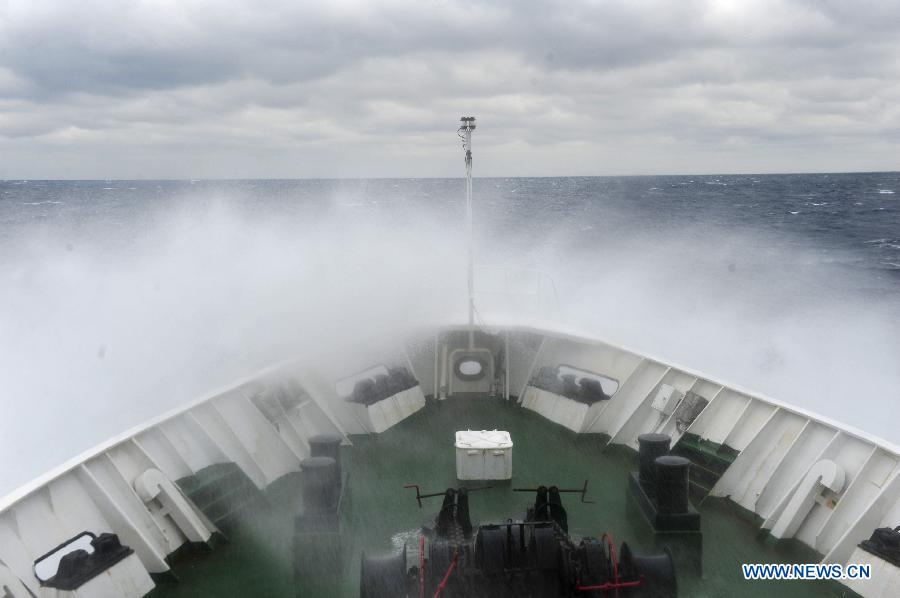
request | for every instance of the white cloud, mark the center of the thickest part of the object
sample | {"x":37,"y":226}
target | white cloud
{"x":185,"y":89}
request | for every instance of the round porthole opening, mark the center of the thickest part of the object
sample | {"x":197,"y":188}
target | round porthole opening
{"x":470,"y":369}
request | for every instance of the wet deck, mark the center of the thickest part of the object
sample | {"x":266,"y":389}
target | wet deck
{"x":381,"y":514}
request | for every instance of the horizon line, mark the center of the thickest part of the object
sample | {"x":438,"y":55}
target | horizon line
{"x":425,"y":178}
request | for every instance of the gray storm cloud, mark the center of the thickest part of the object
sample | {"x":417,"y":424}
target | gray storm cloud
{"x":244,"y":89}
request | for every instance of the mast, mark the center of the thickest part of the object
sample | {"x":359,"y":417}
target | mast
{"x":465,"y":131}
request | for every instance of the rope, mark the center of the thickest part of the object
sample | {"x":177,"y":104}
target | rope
{"x":615,"y":584}
{"x":450,"y":569}
{"x":612,"y":557}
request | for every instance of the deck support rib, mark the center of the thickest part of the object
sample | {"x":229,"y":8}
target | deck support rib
{"x":759,"y":458}
{"x":846,"y":492}
{"x":437,"y":358}
{"x":506,"y":363}
{"x":786,"y":497}
{"x":601,"y":409}
{"x":163,"y":443}
{"x":534,"y":361}
{"x":229,"y":446}
{"x":614,"y":432}
{"x":321,"y":404}
{"x":129,"y":531}
{"x":17,"y":560}
{"x":866,"y":523}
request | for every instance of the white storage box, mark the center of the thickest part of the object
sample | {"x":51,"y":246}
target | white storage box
{"x":483,"y":455}
{"x":666,"y":399}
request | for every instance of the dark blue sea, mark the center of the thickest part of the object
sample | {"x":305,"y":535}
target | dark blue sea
{"x":120,"y":300}
{"x":854,"y":216}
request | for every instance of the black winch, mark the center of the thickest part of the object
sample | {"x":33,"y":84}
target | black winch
{"x":531,"y":557}
{"x":884,"y":543}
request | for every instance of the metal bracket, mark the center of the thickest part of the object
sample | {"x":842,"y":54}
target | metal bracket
{"x":420,"y":496}
{"x":582,"y":491}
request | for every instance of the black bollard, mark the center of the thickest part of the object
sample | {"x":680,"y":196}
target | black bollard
{"x":672,"y":484}
{"x":327,"y":445}
{"x":651,"y":446}
{"x":320,"y":484}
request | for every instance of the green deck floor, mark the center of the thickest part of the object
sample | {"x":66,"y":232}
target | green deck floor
{"x":257,"y":560}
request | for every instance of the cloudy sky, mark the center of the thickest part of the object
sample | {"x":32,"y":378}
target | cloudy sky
{"x":272,"y":88}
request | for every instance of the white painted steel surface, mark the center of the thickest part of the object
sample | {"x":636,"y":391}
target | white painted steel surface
{"x":557,"y":408}
{"x":388,"y":412}
{"x":885,"y":577}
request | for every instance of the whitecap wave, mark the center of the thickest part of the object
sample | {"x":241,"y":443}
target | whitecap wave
{"x":884,"y":243}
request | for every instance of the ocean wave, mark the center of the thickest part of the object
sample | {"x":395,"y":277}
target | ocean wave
{"x":886,"y":191}
{"x":39,"y":203}
{"x":886,"y":243}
